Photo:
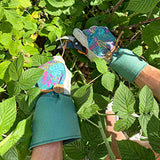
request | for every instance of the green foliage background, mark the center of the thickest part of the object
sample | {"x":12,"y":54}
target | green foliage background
{"x":28,"y":30}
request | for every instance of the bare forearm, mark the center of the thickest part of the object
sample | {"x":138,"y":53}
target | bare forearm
{"x":50,"y":151}
{"x":150,"y":76}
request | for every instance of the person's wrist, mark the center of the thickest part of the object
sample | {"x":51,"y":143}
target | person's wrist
{"x":127,"y":64}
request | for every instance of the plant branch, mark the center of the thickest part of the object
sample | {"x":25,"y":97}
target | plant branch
{"x":149,"y":15}
{"x":94,"y":124}
{"x":95,"y":79}
{"x":114,"y":9}
{"x":106,"y":141}
{"x":140,"y":23}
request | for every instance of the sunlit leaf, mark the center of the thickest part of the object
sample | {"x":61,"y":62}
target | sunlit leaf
{"x":7,"y":114}
{"x":108,"y":80}
{"x":141,"y":6}
{"x":30,"y":77}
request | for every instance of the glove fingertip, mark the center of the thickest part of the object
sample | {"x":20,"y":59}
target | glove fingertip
{"x":81,"y":37}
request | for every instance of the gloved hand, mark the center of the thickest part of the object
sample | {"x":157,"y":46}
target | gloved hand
{"x":54,"y":118}
{"x":102,"y":44}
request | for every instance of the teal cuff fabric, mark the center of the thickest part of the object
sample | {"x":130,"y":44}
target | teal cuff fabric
{"x":54,"y":119}
{"x":127,"y":64}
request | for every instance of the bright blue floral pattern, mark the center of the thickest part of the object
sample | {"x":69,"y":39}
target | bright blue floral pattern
{"x":100,"y":40}
{"x":54,"y":73}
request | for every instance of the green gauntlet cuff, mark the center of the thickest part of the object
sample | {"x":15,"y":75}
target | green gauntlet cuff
{"x":127,"y":64}
{"x":54,"y":119}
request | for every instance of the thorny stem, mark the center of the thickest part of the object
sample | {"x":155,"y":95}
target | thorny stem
{"x":114,"y":9}
{"x":106,"y":141}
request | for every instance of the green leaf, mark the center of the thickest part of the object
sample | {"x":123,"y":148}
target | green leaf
{"x":52,"y":36}
{"x":123,"y":102}
{"x":130,"y":150}
{"x":1,"y":90}
{"x":38,"y":60}
{"x":49,"y":46}
{"x":153,"y":130}
{"x":13,"y":18}
{"x":75,"y":150}
{"x":1,"y":13}
{"x":97,"y":2}
{"x":31,"y":50}
{"x":141,"y":6}
{"x":98,"y":153}
{"x":151,"y":35}
{"x":146,"y":100}
{"x":25,"y":3}
{"x":90,"y":132}
{"x":83,"y":96}
{"x":88,"y":111}
{"x":58,"y":4}
{"x":6,"y":27}
{"x":6,"y":39}
{"x":23,"y":144}
{"x":147,"y":107}
{"x":108,"y":80}
{"x":124,"y":124}
{"x":22,"y":100}
{"x":22,"y":131}
{"x":30,"y":77}
{"x":29,"y":25}
{"x":13,"y":4}
{"x":16,"y":68}
{"x":7,"y":114}
{"x":14,"y":47}
{"x":33,"y":95}
{"x":13,"y":88}
{"x":101,"y":65}
{"x":101,"y":100}
{"x":3,"y":68}
{"x":11,"y":154}
{"x":138,"y":50}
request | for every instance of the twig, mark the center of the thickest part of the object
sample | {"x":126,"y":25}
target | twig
{"x":139,"y":24}
{"x":94,"y":124}
{"x":95,"y":79}
{"x":114,"y":9}
{"x":134,"y":38}
{"x":64,"y":48}
{"x":149,"y":15}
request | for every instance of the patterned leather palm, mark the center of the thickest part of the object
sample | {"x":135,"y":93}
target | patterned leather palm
{"x":100,"y":40}
{"x":54,"y":74}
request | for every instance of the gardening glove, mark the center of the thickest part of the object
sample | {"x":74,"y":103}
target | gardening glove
{"x":54,"y":118}
{"x":102,"y":44}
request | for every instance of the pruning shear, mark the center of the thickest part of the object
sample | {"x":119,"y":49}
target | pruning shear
{"x":72,"y":42}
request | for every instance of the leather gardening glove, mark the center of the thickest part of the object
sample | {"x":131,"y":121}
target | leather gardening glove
{"x":102,"y":44}
{"x":55,"y":118}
